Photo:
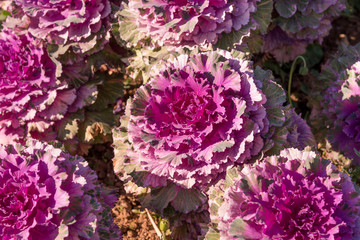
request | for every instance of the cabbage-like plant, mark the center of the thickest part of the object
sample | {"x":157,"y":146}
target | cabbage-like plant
{"x":345,"y":132}
{"x":299,"y":23}
{"x":341,"y":102}
{"x":48,"y":194}
{"x":31,"y":97}
{"x":80,"y":24}
{"x":197,"y":117}
{"x":188,"y":23}
{"x":294,"y":195}
{"x":43,"y":99}
{"x":201,"y":115}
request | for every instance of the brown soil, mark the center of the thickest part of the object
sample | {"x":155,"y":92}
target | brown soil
{"x":133,"y":222}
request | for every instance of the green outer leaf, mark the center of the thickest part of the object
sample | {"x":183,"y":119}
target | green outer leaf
{"x":212,"y":234}
{"x":278,"y":141}
{"x":313,"y":55}
{"x":275,"y":94}
{"x":239,"y":226}
{"x":94,"y":121}
{"x":299,"y":21}
{"x":4,"y":14}
{"x":146,"y":60}
{"x":127,"y":29}
{"x":276,"y":116}
{"x":138,"y":177}
{"x":228,"y":41}
{"x":188,"y":200}
{"x":160,"y":198}
{"x":140,"y":102}
{"x":263,"y":14}
{"x":55,"y":51}
{"x":172,"y":23}
{"x":121,"y":143}
{"x":253,"y":43}
{"x":346,"y":56}
{"x":285,"y":8}
{"x":109,"y":92}
{"x":221,"y":146}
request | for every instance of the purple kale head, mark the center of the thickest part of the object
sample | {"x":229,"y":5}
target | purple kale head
{"x":182,"y":22}
{"x":299,"y":23}
{"x":48,"y":194}
{"x":200,"y":115}
{"x":341,"y":106}
{"x":197,"y":117}
{"x":32,"y":99}
{"x":295,"y":195}
{"x":82,"y":24}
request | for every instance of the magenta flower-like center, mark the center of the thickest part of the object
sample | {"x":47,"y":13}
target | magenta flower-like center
{"x":17,"y":65}
{"x":304,"y":218}
{"x":302,"y":205}
{"x":17,"y":201}
{"x":188,"y":108}
{"x":184,"y":111}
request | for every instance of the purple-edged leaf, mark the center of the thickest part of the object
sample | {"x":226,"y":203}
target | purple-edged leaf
{"x":285,"y":8}
{"x":175,"y":24}
{"x":263,"y":14}
{"x":140,"y":101}
{"x":79,"y":25}
{"x":108,"y":92}
{"x":160,"y":198}
{"x":188,"y":200}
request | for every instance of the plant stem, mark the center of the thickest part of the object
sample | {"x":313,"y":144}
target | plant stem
{"x":157,"y":230}
{"x":292,"y":69}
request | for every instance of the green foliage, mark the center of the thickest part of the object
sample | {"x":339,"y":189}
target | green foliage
{"x":314,"y":55}
{"x":3,"y":15}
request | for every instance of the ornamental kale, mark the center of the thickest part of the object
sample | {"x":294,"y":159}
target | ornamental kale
{"x":179,"y":22}
{"x":295,"y":195}
{"x":82,"y":24}
{"x":199,"y":116}
{"x":196,"y":118}
{"x":48,"y":194}
{"x":298,"y":24}
{"x":341,"y":103}
{"x":32,"y":99}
